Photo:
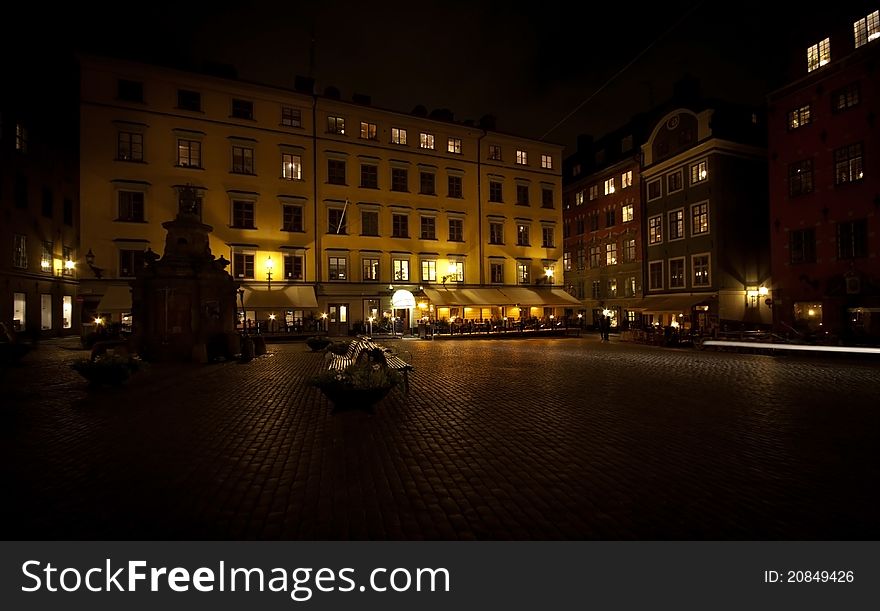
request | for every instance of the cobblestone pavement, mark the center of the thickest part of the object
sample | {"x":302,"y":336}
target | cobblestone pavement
{"x":522,"y":439}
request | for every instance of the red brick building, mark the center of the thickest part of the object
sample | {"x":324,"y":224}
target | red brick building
{"x":825,"y":186}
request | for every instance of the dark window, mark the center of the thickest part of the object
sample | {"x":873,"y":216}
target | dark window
{"x":131,"y":206}
{"x":495,"y":191}
{"x":130,"y":147}
{"x":522,"y":195}
{"x":369,"y":176}
{"x":48,"y":207}
{"x":293,"y":267}
{"x":336,"y":221}
{"x":802,"y":245}
{"x":426,"y":183}
{"x":455,"y":189}
{"x":189,"y":153}
{"x":399,"y":226}
{"x":242,"y":160}
{"x":242,"y":109}
{"x":800,"y":177}
{"x":654,"y":189}
{"x":336,"y":171}
{"x":291,"y":117}
{"x":497,"y":273}
{"x":496,"y":233}
{"x":609,"y":218}
{"x":429,"y":228}
{"x":398,"y":179}
{"x":673,"y":182}
{"x":130,"y":91}
{"x":21,"y":191}
{"x":594,"y":222}
{"x":852,"y":239}
{"x":189,"y":100}
{"x":845,"y":98}
{"x":130,"y":262}
{"x":546,"y":198}
{"x":456,"y":230}
{"x":243,"y":214}
{"x":369,"y":222}
{"x":581,"y":225}
{"x":547,"y":237}
{"x":243,"y":265}
{"x":68,"y":212}
{"x":291,"y":218}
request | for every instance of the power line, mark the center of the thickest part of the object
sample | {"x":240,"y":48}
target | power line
{"x":684,"y":16}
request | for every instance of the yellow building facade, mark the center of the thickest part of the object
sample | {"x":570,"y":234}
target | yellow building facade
{"x":333,"y":214}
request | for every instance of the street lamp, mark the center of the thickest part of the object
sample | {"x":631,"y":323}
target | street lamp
{"x":451,"y":273}
{"x":269,"y":266}
{"x":324,"y":318}
{"x":90,"y":261}
{"x":549,"y":272}
{"x":370,"y":320}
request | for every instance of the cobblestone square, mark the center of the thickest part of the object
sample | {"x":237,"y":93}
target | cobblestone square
{"x":521,"y":439}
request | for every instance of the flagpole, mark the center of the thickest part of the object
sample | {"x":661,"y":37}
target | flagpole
{"x":342,"y":218}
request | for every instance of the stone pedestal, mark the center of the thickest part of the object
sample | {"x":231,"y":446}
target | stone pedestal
{"x":183,"y":305}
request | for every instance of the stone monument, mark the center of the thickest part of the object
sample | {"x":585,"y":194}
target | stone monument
{"x":183,"y":304}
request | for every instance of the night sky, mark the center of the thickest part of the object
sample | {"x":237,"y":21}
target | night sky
{"x":528,"y":64}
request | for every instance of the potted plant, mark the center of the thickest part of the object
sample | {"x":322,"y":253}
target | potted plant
{"x":109,"y":369}
{"x":317,"y":343}
{"x":362,"y":384}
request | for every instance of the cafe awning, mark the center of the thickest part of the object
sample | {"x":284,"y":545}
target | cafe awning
{"x":280,"y":298}
{"x":116,"y":298}
{"x":540,"y":297}
{"x":466,"y":297}
{"x":657,"y":304}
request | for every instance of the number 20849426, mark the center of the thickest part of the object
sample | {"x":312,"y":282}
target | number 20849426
{"x":809,"y":577}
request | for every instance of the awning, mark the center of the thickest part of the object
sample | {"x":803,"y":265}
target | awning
{"x":540,"y":297}
{"x":287,"y":297}
{"x":466,"y":297}
{"x":116,"y":298}
{"x":671,"y":303}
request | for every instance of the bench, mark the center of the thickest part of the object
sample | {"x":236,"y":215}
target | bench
{"x":361,"y":344}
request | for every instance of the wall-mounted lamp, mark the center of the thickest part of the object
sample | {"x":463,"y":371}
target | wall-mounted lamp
{"x":269,"y":266}
{"x":90,"y":261}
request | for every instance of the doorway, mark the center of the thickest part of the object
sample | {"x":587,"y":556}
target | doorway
{"x":337,"y":319}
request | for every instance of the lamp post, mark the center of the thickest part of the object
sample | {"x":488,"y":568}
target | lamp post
{"x":269,"y":266}
{"x":90,"y":261}
{"x":241,"y":316}
{"x":549,"y":273}
{"x":370,"y":320}
{"x":324,"y":318}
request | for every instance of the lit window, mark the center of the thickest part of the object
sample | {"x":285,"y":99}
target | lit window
{"x":626,"y":179}
{"x":370,"y":269}
{"x":189,"y":153}
{"x":522,"y":272}
{"x":845,"y":98}
{"x":699,"y":172}
{"x":337,"y":268}
{"x":46,"y":257}
{"x":799,"y":117}
{"x":578,"y":198}
{"x":400,"y":269}
{"x":291,"y":166}
{"x":429,"y":271}
{"x":655,"y":230}
{"x":611,"y":254}
{"x":522,"y":235}
{"x":398,"y":136}
{"x":454,"y":146}
{"x":566,"y":261}
{"x":700,"y":218}
{"x":609,"y":186}
{"x":522,"y":157}
{"x":819,"y":54}
{"x":368,"y":131}
{"x":426,"y":141}
{"x":867,"y":29}
{"x":627,"y":213}
{"x":547,"y":162}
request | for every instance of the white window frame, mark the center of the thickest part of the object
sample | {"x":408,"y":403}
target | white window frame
{"x":708,"y":219}
{"x":609,"y":186}
{"x":651,"y":264}
{"x":683,"y":234}
{"x":866,"y":29}
{"x":398,"y":136}
{"x":658,"y":237}
{"x":699,"y":171}
{"x":369,"y":131}
{"x":291,"y":166}
{"x":708,"y":282}
{"x":626,"y":179}
{"x":426,"y":141}
{"x":818,"y":54}
{"x":547,"y":162}
{"x":627,"y":213}
{"x":680,"y":181}
{"x":522,"y":157}
{"x":429,"y":270}
{"x":648,"y":189}
{"x":453,"y":145}
{"x":683,"y":275}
